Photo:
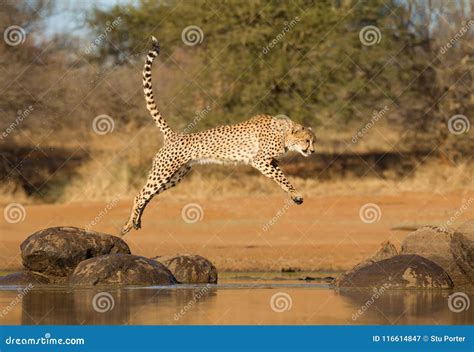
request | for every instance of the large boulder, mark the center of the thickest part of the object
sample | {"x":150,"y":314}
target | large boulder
{"x":121,"y":269}
{"x":434,"y":243}
{"x":462,"y":248}
{"x":57,"y":250}
{"x":387,"y":250}
{"x":24,"y":278}
{"x":190,"y":269}
{"x":400,"y":271}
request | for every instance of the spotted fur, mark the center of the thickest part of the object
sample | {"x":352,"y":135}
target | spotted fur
{"x":257,"y":142}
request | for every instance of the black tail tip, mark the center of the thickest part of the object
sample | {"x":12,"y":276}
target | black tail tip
{"x":155,"y":44}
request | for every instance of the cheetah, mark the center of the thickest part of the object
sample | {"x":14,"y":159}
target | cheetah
{"x":258,"y":142}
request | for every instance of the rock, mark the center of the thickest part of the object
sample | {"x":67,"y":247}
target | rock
{"x":434,"y":243}
{"x":121,"y":269}
{"x":462,"y":249}
{"x":400,"y":271}
{"x":467,"y":228}
{"x":57,"y":250}
{"x":386,"y":251}
{"x":190,"y":269}
{"x":24,"y":278}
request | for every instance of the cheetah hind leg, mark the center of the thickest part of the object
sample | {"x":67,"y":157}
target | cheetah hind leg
{"x":144,"y":197}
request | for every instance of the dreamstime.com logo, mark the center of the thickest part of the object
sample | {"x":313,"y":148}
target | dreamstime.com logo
{"x":14,"y":35}
{"x":370,"y":213}
{"x":458,"y":124}
{"x":458,"y":302}
{"x":14,"y":213}
{"x":370,"y":35}
{"x":198,"y":295}
{"x":378,"y":292}
{"x":287,"y":26}
{"x":192,"y":213}
{"x":281,"y":302}
{"x":197,"y":117}
{"x":192,"y":35}
{"x":103,"y":302}
{"x":103,"y":124}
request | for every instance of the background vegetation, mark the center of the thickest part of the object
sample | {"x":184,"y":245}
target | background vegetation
{"x":318,"y":71}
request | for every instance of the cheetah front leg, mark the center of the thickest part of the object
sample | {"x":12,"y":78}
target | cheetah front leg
{"x":154,"y":186}
{"x":270,"y":168}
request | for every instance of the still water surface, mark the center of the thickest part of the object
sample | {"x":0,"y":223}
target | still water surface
{"x":237,"y":299}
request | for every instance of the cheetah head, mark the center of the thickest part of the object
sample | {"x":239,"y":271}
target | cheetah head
{"x":301,"y":139}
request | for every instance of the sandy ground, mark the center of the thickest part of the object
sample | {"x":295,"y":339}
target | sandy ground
{"x":249,"y":233}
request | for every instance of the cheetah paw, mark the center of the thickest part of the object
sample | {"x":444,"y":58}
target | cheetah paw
{"x":126,"y":229}
{"x":297,"y":199}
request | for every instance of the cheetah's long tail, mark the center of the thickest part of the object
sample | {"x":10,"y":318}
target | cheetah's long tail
{"x":148,"y":90}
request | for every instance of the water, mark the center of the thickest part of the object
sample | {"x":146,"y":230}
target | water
{"x":237,"y":299}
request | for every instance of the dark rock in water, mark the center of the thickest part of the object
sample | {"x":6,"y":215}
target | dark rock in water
{"x":121,"y":269}
{"x":25,"y":278}
{"x":434,"y":243}
{"x":387,"y":250}
{"x":462,"y":248}
{"x":401,"y":271}
{"x":57,"y":250}
{"x":190,"y":269}
{"x":290,"y":270}
{"x":323,"y":279}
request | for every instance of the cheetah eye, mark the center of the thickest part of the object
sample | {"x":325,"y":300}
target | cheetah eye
{"x":307,"y":141}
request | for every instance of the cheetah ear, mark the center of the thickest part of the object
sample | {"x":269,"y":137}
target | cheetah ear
{"x":309,"y":128}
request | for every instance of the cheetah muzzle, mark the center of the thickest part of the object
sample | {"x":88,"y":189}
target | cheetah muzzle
{"x":257,"y":142}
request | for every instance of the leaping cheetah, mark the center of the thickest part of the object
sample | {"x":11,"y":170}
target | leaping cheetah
{"x":257,"y":142}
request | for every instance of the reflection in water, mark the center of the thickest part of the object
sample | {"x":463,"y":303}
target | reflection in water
{"x":92,"y":307}
{"x":404,"y":307}
{"x":228,"y":304}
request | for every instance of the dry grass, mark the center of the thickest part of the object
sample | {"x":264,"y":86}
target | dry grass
{"x":96,"y":182}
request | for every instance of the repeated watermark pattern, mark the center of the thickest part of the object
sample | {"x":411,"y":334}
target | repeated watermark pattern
{"x":14,"y":35}
{"x":98,"y":218}
{"x":370,"y":35}
{"x":197,"y":117}
{"x":109,"y":27}
{"x":462,"y":209}
{"x":458,"y":302}
{"x":14,"y":213}
{"x":378,"y":292}
{"x":21,"y":293}
{"x":287,"y":26}
{"x":464,"y":29}
{"x":103,"y":124}
{"x":197,"y":296}
{"x":370,"y":213}
{"x":458,"y":124}
{"x":192,"y":213}
{"x":103,"y":302}
{"x":281,"y":302}
{"x":376,"y":116}
{"x":192,"y":35}
{"x":288,"y":204}
{"x":20,"y":117}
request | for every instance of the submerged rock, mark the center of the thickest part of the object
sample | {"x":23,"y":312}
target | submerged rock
{"x":190,"y":269}
{"x":435,"y":244}
{"x":121,"y":269}
{"x":400,"y":271}
{"x":58,"y":250}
